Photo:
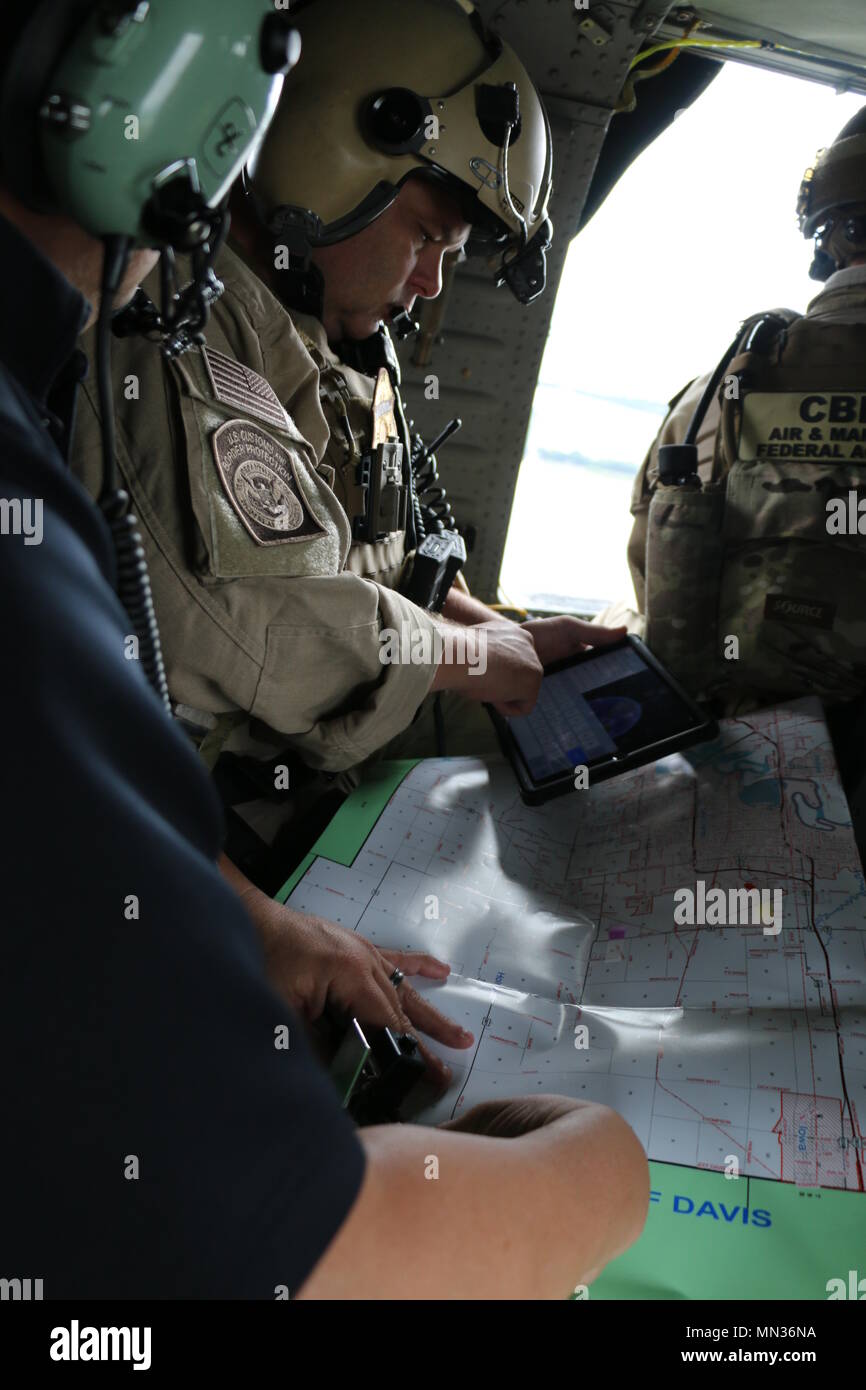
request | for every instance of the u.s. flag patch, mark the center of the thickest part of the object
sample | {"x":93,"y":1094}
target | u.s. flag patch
{"x":243,"y":389}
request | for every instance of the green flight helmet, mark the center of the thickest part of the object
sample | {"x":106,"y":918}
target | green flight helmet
{"x":134,"y":118}
{"x":831,"y":205}
{"x":389,"y":89}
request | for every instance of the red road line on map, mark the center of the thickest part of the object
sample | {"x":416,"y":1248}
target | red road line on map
{"x":812,"y":927}
{"x":705,"y":1118}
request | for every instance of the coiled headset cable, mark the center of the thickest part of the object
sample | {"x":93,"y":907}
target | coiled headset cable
{"x":434,"y":509}
{"x":133,"y":580}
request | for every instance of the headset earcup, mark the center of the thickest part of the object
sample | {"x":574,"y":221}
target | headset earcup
{"x":23,"y":86}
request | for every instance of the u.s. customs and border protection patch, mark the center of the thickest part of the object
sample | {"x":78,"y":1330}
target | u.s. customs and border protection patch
{"x":262,"y":485}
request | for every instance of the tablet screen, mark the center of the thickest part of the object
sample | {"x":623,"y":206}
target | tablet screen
{"x":609,"y":705}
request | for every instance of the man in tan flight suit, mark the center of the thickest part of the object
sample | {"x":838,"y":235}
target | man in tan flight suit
{"x":351,"y":224}
{"x":249,"y":507}
{"x":270,"y":642}
{"x":256,"y":665}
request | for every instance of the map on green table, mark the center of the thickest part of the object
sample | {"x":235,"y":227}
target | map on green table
{"x":685,"y":943}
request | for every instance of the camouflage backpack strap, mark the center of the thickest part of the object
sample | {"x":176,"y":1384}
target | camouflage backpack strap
{"x":762,"y":343}
{"x":792,"y":355}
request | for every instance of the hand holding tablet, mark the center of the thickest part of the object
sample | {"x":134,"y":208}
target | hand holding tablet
{"x":609,"y":710}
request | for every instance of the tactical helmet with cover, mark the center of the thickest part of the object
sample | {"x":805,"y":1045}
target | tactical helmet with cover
{"x":832,"y":201}
{"x":394,"y":88}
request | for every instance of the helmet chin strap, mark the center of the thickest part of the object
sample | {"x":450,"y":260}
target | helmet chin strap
{"x":301,"y":286}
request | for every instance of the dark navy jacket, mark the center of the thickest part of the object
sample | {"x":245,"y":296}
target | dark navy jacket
{"x":137,"y":1030}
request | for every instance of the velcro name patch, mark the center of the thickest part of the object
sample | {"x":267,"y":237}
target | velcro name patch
{"x":808,"y":611}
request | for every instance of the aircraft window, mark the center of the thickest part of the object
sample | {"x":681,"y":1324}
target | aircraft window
{"x":699,"y":233}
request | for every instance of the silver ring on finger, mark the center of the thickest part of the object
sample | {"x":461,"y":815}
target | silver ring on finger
{"x":396,"y":978}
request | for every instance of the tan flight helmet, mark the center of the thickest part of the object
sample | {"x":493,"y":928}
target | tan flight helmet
{"x":832,"y":202}
{"x":392,"y":88}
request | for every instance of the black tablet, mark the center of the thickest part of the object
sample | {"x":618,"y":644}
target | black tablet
{"x":606,"y":711}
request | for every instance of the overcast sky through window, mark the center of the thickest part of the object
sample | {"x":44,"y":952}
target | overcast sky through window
{"x":699,"y":233}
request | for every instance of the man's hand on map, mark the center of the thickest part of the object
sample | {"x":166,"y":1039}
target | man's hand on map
{"x":311,"y":962}
{"x":564,"y":636}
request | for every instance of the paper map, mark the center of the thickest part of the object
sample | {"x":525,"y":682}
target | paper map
{"x":728,"y":1048}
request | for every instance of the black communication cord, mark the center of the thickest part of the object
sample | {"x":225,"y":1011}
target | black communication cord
{"x":133,"y":580}
{"x":710,"y":390}
{"x":415,"y":532}
{"x":430,"y":496}
{"x":179,"y":323}
{"x":678,"y":463}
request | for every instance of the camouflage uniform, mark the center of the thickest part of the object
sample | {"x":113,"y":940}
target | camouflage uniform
{"x":747,"y":554}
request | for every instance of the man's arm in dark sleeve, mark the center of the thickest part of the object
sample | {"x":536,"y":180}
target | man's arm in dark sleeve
{"x":167,"y":1132}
